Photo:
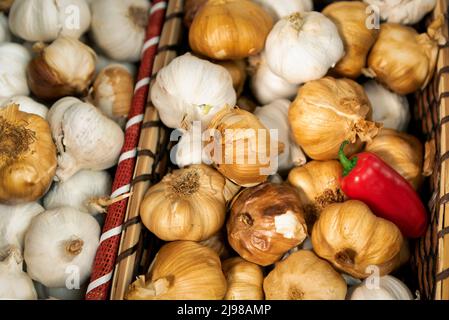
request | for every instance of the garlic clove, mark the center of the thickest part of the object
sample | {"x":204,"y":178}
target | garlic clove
{"x":245,"y":280}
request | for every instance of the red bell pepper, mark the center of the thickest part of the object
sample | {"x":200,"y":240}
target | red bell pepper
{"x":369,"y":179}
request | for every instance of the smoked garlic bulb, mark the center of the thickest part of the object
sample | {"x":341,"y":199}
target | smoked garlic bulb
{"x":27,"y":158}
{"x":182,"y":270}
{"x":327,"y":112}
{"x":265,"y":222}
{"x":245,"y":280}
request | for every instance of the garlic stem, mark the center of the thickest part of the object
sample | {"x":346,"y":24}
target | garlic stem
{"x":74,"y":247}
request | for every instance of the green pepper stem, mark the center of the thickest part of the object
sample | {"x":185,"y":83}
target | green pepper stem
{"x":347,"y":164}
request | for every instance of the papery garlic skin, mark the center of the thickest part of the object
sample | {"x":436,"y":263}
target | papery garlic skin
{"x":303,"y":47}
{"x":266,"y":85}
{"x":5,"y":36}
{"x":190,"y":149}
{"x":281,"y":8}
{"x":389,"y":108}
{"x":14,"y":222}
{"x":402,"y":11}
{"x":80,"y":191}
{"x":85,"y":138}
{"x":59,"y":240}
{"x":118,"y":27}
{"x":14,"y":59}
{"x":191,"y":89}
{"x":28,"y":105}
{"x":45,"y":20}
{"x":15,"y":284}
{"x":245,"y":280}
{"x":275,"y":117}
{"x":387,"y":288}
{"x":103,"y":62}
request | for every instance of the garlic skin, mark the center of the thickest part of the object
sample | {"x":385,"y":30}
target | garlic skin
{"x":182,"y":99}
{"x":113,"y":91}
{"x":5,"y":36}
{"x":14,"y":60}
{"x":217,"y":243}
{"x":190,"y":149}
{"x":389,"y":108}
{"x":45,"y":20}
{"x":14,"y":222}
{"x":26,"y":104}
{"x":237,"y":70}
{"x":265,"y":84}
{"x":304,"y":276}
{"x":245,"y":280}
{"x":389,"y":288}
{"x":119,"y":26}
{"x":65,"y":67}
{"x":103,"y":62}
{"x":281,"y":8}
{"x":80,"y":191}
{"x":5,"y":5}
{"x":309,"y":37}
{"x":275,"y":116}
{"x":59,"y":240}
{"x":85,"y":138}
{"x":15,"y":284}
{"x":403,"y":11}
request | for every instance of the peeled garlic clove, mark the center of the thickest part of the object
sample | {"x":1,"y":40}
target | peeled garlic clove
{"x":281,"y":8}
{"x":182,"y":270}
{"x":327,"y":112}
{"x":81,"y":191}
{"x":5,"y":36}
{"x":66,"y":67}
{"x":245,"y":280}
{"x":119,"y":26}
{"x":402,"y":11}
{"x":15,"y":284}
{"x":266,"y":85}
{"x":355,"y":241}
{"x":237,"y":70}
{"x":318,"y":185}
{"x":309,"y":37}
{"x":28,"y":105}
{"x":62,"y":18}
{"x":182,"y":99}
{"x":28,"y":159}
{"x":304,"y":276}
{"x":113,"y":91}
{"x":265,"y":222}
{"x":14,"y":59}
{"x":403,"y":152}
{"x":389,"y":108}
{"x":188,"y":204}
{"x":60,"y":244}
{"x":14,"y":222}
{"x":382,"y":288}
{"x":275,"y":117}
{"x":351,"y":18}
{"x":239,"y":30}
{"x":85,"y":138}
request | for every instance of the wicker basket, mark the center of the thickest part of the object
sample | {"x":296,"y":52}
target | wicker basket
{"x":429,"y":272}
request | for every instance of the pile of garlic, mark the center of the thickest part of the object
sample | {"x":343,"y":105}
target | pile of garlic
{"x":64,"y":101}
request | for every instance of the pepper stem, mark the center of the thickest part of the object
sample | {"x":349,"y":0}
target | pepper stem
{"x":347,"y":164}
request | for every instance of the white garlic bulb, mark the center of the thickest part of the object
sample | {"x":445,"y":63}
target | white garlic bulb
{"x":45,"y":20}
{"x":118,"y":27}
{"x":80,"y":191}
{"x":266,"y":85}
{"x":61,"y":244}
{"x":386,"y":288}
{"x":14,"y":222}
{"x":191,"y":89}
{"x":402,"y":11}
{"x":26,"y":104}
{"x":275,"y":117}
{"x":303,"y":47}
{"x":14,"y":60}
{"x":4,"y":30}
{"x":103,"y":62}
{"x":389,"y":108}
{"x":14,"y":283}
{"x":281,"y":8}
{"x":84,"y":136}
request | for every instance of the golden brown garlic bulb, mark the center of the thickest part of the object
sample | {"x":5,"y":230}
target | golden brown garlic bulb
{"x":245,"y":280}
{"x":265,"y":222}
{"x":354,"y":240}
{"x":27,"y":156}
{"x":304,"y":276}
